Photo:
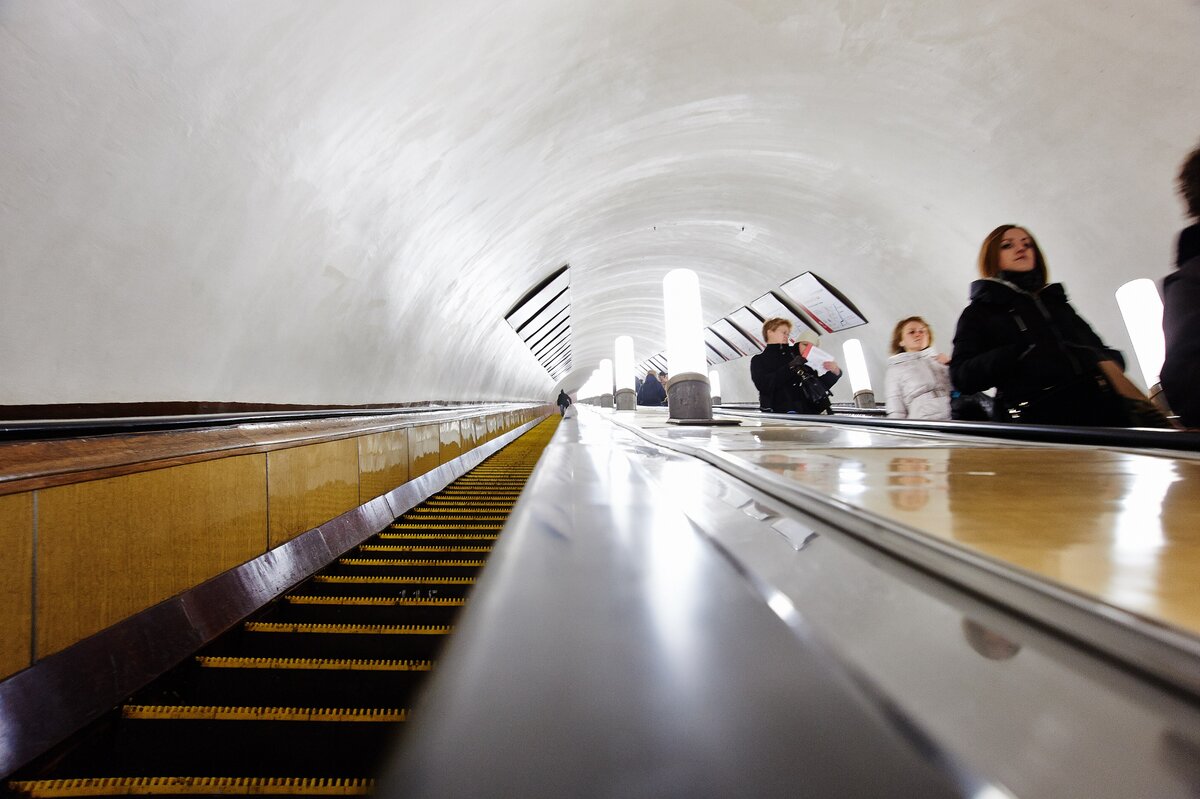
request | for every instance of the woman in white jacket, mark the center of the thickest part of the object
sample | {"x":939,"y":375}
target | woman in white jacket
{"x":918,"y":379}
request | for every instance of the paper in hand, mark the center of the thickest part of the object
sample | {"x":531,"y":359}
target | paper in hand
{"x":815,"y":356}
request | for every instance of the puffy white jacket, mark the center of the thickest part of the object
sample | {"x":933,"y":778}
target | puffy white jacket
{"x":918,"y":387}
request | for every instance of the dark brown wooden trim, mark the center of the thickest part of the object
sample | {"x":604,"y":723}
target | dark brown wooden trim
{"x":60,"y":694}
{"x":31,"y":465}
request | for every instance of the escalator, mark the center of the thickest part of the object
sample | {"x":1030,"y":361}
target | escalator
{"x":306,"y":697}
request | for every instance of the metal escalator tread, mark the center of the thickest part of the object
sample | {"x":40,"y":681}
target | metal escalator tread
{"x":191,"y":786}
{"x":475,"y":564}
{"x":253,"y":713}
{"x":438,"y":536}
{"x":402,"y":580}
{"x":386,"y":601}
{"x":346,"y":629}
{"x":281,"y":673}
{"x":316,"y":664}
{"x":410,"y":548}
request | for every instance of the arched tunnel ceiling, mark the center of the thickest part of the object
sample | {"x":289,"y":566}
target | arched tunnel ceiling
{"x":337,"y":202}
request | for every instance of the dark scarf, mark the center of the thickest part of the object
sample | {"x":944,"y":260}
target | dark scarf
{"x":1032,"y":281}
{"x":1189,"y":245}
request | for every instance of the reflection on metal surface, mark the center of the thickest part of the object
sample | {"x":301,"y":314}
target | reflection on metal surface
{"x":1118,"y":526}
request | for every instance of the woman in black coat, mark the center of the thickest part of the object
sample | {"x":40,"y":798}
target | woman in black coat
{"x":1021,"y":336}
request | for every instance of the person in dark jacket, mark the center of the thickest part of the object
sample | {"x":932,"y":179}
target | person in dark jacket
{"x":652,"y":391}
{"x":785,"y":382}
{"x":1181,"y":308}
{"x":564,"y":402}
{"x":1021,"y":336}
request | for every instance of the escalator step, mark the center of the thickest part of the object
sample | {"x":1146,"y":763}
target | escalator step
{"x":345,"y":629}
{"x":444,"y":537}
{"x":218,"y":713}
{"x":402,"y":548}
{"x":314,"y":664}
{"x":338,"y":578}
{"x":414,"y":526}
{"x":372,"y":601}
{"x":191,"y":786}
{"x":473,"y":564}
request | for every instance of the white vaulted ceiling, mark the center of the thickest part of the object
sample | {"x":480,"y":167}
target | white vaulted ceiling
{"x":337,"y":202}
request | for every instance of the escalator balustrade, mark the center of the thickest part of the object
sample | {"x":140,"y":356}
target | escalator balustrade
{"x":305,"y":698}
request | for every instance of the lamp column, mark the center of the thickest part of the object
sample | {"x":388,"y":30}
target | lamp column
{"x":623,"y":376}
{"x":688,"y":395}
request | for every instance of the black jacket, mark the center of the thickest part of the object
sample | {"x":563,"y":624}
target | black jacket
{"x":1181,"y":329}
{"x":779,"y":387}
{"x":652,"y":392}
{"x":1024,"y":344}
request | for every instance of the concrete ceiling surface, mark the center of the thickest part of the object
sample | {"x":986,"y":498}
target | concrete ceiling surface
{"x":336,"y":202}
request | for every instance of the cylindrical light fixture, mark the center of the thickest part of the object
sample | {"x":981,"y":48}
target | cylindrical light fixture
{"x":626,"y":397}
{"x":860,"y":380}
{"x":714,"y":386}
{"x":606,"y":382}
{"x":1142,"y":310}
{"x":687,"y":386}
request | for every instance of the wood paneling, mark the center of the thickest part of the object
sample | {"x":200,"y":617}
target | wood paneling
{"x":424,"y":448}
{"x":110,"y":548}
{"x":450,"y":435}
{"x":310,"y":485}
{"x":16,"y":582}
{"x":382,"y":463}
{"x":30,"y":465}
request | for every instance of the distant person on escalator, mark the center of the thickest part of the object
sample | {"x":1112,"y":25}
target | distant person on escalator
{"x":918,"y":378}
{"x":786,"y":381}
{"x":563,"y":402}
{"x":1181,"y":307}
{"x":652,"y":391}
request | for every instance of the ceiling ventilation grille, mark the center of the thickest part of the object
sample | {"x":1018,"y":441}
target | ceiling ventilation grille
{"x":542,"y":319}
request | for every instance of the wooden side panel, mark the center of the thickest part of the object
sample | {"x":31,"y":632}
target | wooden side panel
{"x":382,"y":463}
{"x":450,"y":435}
{"x":424,"y":448}
{"x":16,"y":582}
{"x":481,"y":430}
{"x":466,"y":434}
{"x":310,"y":485}
{"x":110,"y":548}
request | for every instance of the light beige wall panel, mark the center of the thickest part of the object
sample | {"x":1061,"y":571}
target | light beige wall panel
{"x":481,"y":430}
{"x":109,"y":548}
{"x":382,"y":463}
{"x":424,"y":449}
{"x":310,"y":485}
{"x":16,"y":582}
{"x":450,"y":435}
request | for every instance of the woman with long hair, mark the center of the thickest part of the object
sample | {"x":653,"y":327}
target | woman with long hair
{"x":1021,"y":335}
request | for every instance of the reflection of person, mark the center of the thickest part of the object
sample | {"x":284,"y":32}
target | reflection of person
{"x":1181,"y":307}
{"x":785,"y":382}
{"x":918,"y":380}
{"x":1021,"y":335}
{"x":563,"y":402}
{"x":652,"y":391}
{"x":908,"y":483}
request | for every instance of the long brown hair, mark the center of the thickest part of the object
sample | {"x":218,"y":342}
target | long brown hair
{"x":897,"y":347}
{"x":989,"y":253}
